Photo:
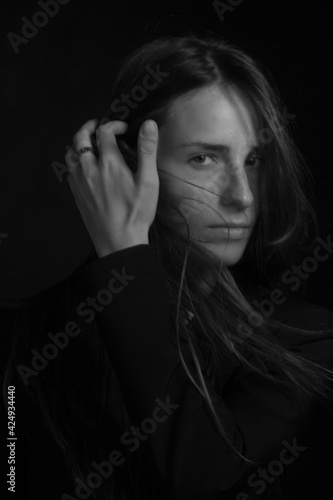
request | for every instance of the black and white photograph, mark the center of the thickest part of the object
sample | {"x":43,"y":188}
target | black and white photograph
{"x":166,"y":250}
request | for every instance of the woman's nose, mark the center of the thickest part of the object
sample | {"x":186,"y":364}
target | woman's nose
{"x":236,"y":189}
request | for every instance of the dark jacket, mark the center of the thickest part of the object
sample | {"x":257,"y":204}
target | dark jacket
{"x":286,"y":432}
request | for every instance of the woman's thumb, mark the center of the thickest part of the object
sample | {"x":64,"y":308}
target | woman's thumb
{"x":147,"y":151}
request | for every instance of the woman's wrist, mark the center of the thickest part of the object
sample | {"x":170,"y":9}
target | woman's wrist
{"x":106,"y":248}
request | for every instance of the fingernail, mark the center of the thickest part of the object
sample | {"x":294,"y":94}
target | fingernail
{"x":149,"y":128}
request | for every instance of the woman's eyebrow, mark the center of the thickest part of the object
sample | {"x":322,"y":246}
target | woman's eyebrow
{"x":217,"y":147}
{"x":204,"y":145}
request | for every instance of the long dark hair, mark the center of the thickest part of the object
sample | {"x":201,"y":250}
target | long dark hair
{"x":78,"y":416}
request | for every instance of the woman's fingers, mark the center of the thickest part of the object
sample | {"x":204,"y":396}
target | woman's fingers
{"x":82,"y":137}
{"x":147,"y":150}
{"x":109,"y":152}
{"x":72,"y":159}
{"x":116,"y":207}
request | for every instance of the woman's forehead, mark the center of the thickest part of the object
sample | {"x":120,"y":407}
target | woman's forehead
{"x":211,"y":114}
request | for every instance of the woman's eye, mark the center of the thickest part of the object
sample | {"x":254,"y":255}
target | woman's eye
{"x":201,"y":159}
{"x":255,"y":161}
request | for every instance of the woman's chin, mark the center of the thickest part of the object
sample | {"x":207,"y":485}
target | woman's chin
{"x":228,"y":253}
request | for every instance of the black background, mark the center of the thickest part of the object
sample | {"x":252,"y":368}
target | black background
{"x":61,"y":77}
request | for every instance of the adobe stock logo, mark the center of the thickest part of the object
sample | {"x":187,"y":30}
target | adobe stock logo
{"x":86,"y":309}
{"x":103,"y":470}
{"x":293,"y":276}
{"x":222,"y":7}
{"x":275,"y":468}
{"x":138,"y":93}
{"x":39,"y":20}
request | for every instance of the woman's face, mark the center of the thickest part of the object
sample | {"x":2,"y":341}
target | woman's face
{"x":208,"y":156}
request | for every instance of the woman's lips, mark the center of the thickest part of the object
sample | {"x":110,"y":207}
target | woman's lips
{"x":229,"y":232}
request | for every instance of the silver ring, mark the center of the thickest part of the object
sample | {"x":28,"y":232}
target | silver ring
{"x":85,"y":149}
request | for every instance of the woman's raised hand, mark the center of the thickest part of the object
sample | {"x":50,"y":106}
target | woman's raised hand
{"x":116,"y":206}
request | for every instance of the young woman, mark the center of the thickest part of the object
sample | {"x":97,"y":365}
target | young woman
{"x":153,"y":371}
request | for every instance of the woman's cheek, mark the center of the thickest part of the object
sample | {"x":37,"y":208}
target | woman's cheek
{"x":190,"y":209}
